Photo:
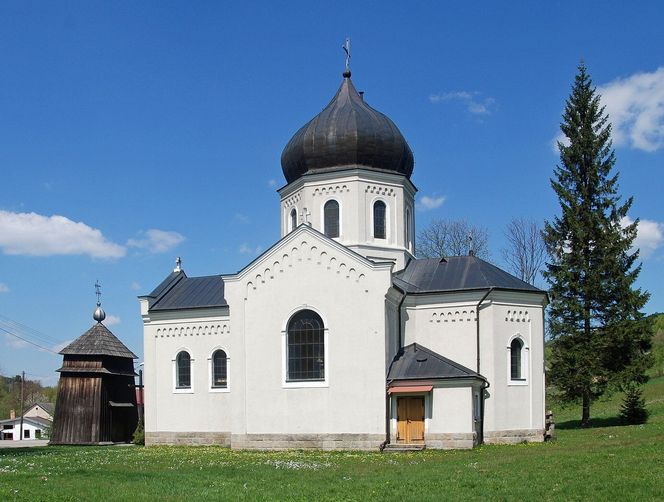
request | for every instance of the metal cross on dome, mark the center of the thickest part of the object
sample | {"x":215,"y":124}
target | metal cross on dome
{"x":98,"y":292}
{"x":346,"y":48}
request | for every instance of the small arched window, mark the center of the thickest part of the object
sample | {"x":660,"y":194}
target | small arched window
{"x":516,"y":348}
{"x":219,"y":370}
{"x":293,"y":219}
{"x":379,"y":210}
{"x":331,"y":217}
{"x":183,"y":370}
{"x":305,"y":347}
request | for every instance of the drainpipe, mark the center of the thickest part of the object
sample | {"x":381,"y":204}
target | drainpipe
{"x":480,"y":436}
{"x":477,"y":313}
{"x":387,"y":387}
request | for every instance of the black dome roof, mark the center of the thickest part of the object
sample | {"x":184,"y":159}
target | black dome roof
{"x":348,"y":132}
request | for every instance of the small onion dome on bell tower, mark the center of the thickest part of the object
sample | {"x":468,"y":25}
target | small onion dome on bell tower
{"x":347,"y":133}
{"x":99,"y":314}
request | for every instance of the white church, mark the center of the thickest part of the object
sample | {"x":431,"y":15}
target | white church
{"x":337,"y":337}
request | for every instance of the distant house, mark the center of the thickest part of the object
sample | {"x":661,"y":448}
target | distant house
{"x":33,"y":428}
{"x":41,"y":410}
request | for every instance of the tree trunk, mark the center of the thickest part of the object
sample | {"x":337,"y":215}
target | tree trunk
{"x":585,"y":414}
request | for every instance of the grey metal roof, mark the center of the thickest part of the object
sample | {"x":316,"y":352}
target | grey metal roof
{"x":415,"y":362}
{"x":178,"y":291}
{"x":456,"y":273}
{"x":98,"y":341}
{"x":348,"y":132}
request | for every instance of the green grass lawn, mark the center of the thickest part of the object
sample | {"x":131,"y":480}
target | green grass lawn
{"x":605,"y":462}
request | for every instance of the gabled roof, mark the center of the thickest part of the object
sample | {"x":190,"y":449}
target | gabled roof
{"x":415,"y":362}
{"x":35,"y":420}
{"x":456,"y":273}
{"x":47,"y":407}
{"x":98,"y":341}
{"x":178,"y":291}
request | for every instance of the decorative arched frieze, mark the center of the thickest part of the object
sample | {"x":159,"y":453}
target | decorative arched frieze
{"x":517,"y":316}
{"x":195,"y":330}
{"x":448,"y":315}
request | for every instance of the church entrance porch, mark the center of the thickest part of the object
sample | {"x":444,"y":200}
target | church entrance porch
{"x":410,"y":420}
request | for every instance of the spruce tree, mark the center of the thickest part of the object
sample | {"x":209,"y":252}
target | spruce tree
{"x":599,"y":336}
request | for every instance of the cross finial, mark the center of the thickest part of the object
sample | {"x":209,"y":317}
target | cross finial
{"x":98,"y":292}
{"x":346,"y":48}
{"x":305,"y":216}
{"x":178,"y":265}
{"x":471,"y":251}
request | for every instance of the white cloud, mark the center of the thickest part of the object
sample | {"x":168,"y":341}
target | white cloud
{"x":15,"y":343}
{"x":635,"y":105}
{"x":240,"y":218}
{"x":134,"y":286}
{"x":156,"y":241}
{"x":37,"y":235}
{"x":649,"y":235}
{"x":427,"y":203}
{"x":473,"y":101}
{"x":246,"y":249}
{"x":112,"y":320}
{"x":60,"y":346}
{"x":272,"y":183}
{"x":4,"y":288}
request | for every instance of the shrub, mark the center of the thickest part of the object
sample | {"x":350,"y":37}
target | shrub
{"x":139,"y":434}
{"x":633,"y":409}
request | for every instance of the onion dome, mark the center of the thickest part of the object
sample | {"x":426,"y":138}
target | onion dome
{"x":347,"y":133}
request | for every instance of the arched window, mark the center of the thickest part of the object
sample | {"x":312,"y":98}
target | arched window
{"x":219,"y":370}
{"x":379,"y":219}
{"x":515,"y":359}
{"x":293,"y":219}
{"x":183,"y":370}
{"x":408,"y":237}
{"x":305,"y":347}
{"x":331,"y":217}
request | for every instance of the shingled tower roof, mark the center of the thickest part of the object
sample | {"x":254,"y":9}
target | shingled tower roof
{"x":98,"y":341}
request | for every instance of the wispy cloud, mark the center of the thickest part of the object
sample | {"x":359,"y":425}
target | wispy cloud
{"x":427,"y":203}
{"x":60,"y":346}
{"x":649,"y":237}
{"x":37,"y":235}
{"x":272,"y":183}
{"x":250,"y":250}
{"x":241,"y":218}
{"x":4,"y":288}
{"x":112,"y":320}
{"x":474,"y":102}
{"x":156,"y":241}
{"x":635,"y":105}
{"x":15,"y":343}
{"x":135,"y":286}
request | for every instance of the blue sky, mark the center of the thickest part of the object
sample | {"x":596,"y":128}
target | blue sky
{"x":134,"y":132}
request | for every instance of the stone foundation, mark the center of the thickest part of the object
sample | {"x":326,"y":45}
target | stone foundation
{"x":188,"y":438}
{"x":450,"y":441}
{"x":514,"y":436}
{"x":307,"y":441}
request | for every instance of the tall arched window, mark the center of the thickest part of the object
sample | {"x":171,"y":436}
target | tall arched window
{"x":219,"y":370}
{"x":331,"y":217}
{"x":379,"y":210}
{"x":515,"y":359}
{"x":183,"y":370}
{"x":293,"y":219}
{"x":408,"y":237}
{"x":305,"y":347}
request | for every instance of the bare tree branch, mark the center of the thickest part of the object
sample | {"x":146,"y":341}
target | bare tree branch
{"x":525,"y":251}
{"x":451,"y":238}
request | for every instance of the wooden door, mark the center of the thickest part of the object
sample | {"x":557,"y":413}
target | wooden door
{"x":410,"y":419}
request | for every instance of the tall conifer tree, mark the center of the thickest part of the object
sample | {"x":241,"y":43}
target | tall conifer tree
{"x":599,"y":336}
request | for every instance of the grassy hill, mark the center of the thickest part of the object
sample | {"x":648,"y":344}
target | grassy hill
{"x":605,"y":462}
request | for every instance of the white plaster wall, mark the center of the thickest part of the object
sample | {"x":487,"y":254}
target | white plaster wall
{"x":27,"y":426}
{"x":203,"y":409}
{"x":444,"y":324}
{"x":451,"y":410}
{"x":514,"y":405}
{"x":305,"y":271}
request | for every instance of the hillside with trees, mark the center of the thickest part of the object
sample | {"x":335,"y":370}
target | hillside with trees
{"x":33,"y":392}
